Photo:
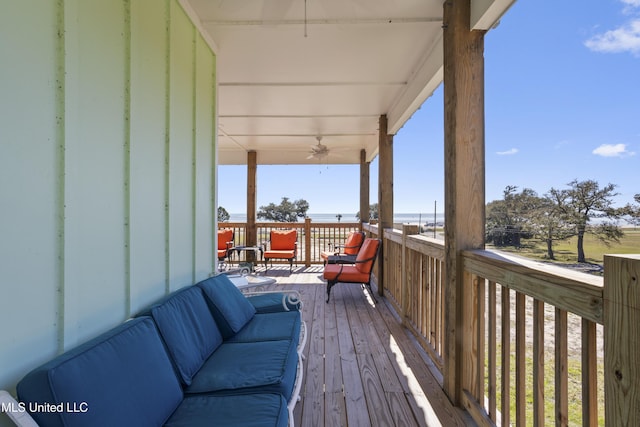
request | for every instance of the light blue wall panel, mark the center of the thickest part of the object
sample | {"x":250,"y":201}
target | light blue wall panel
{"x":204,"y":159}
{"x":181,"y":150}
{"x":106,"y":179}
{"x":94,"y":261}
{"x":29,"y":187}
{"x":148,"y":216}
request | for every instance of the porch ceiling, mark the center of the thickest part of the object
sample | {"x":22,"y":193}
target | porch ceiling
{"x":280,"y":88}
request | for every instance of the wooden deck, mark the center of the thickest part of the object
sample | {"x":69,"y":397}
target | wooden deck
{"x":362,"y":368}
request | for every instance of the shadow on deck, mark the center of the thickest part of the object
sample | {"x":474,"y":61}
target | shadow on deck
{"x":362,"y":367}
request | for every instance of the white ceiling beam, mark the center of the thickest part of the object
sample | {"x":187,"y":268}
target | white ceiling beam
{"x":283,"y":22}
{"x":486,"y":14}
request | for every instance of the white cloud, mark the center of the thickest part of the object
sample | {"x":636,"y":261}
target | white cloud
{"x":632,"y":3}
{"x":625,"y":38}
{"x":613,"y":150}
{"x":508,"y":152}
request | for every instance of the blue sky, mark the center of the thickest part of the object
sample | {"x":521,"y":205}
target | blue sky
{"x":562,"y":102}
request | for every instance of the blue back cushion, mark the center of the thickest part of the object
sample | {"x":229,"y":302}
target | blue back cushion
{"x":121,"y":378}
{"x":188,"y":329}
{"x":230,"y":308}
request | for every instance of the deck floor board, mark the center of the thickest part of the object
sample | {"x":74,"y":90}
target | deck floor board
{"x":361,"y":367}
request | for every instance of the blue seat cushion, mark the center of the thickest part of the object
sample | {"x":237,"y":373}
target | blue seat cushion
{"x":257,"y":367}
{"x":271,"y":327}
{"x":121,"y":378}
{"x":188,"y":329}
{"x":248,"y":410}
{"x":272,"y":302}
{"x":230,"y":308}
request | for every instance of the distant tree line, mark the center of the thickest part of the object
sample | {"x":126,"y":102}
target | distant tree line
{"x":558,"y":215}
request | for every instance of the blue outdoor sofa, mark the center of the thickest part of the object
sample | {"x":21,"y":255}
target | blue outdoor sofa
{"x":204,"y":355}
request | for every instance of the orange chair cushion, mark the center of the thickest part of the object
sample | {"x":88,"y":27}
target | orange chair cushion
{"x":279,"y":254}
{"x":347,"y":273}
{"x":368,"y":250}
{"x":353,"y":243}
{"x":224,"y":236}
{"x":222,"y":253}
{"x":283,"y":240}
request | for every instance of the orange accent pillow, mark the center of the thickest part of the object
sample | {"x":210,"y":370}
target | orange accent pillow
{"x":283,"y":240}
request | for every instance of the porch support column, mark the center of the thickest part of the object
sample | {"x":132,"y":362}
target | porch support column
{"x":251,"y":239}
{"x":464,"y":172}
{"x":385,"y":193}
{"x":364,"y":187}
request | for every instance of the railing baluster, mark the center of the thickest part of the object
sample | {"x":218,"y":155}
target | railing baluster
{"x":521,"y":359}
{"x":589,"y":375}
{"x":492,"y":340}
{"x":562,"y":375}
{"x":538,"y":363}
{"x":505,"y":374}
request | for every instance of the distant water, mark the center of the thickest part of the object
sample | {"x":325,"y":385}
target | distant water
{"x":400,"y":218}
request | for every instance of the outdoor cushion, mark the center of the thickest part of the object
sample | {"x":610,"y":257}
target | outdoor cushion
{"x":283,"y":240}
{"x":272,"y":302}
{"x":188,"y":329}
{"x":271,"y":327}
{"x":224,"y":237}
{"x":250,"y":410}
{"x":236,"y":368}
{"x":280,"y":254}
{"x":347,"y":273}
{"x":121,"y":378}
{"x":229,"y":307}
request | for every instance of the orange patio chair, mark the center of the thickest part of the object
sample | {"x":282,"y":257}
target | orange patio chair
{"x":344,"y":254}
{"x":225,"y":243}
{"x":283,"y":244}
{"x":359,"y":272}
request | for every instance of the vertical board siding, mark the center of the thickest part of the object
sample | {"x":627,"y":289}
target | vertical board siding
{"x":29,"y":205}
{"x":147,"y":153}
{"x":180,"y":149}
{"x":107,"y":159}
{"x":203,"y":160}
{"x":94,"y":261}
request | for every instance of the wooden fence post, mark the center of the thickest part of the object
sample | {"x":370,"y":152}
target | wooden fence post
{"x":622,"y":340}
{"x":307,"y":242}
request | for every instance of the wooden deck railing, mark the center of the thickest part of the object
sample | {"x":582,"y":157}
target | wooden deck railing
{"x":313,"y":238}
{"x":535,"y":353}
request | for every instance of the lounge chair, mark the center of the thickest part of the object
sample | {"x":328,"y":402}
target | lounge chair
{"x":359,"y":272}
{"x":344,"y":254}
{"x":283,"y":244}
{"x":225,"y":244}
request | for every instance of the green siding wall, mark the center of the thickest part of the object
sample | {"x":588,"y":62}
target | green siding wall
{"x":107,"y":158}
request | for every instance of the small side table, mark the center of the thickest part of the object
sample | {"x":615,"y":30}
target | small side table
{"x":250,"y":281}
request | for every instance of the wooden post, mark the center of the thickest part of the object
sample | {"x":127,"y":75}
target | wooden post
{"x":307,"y":242}
{"x":364,"y":187}
{"x":464,"y":189}
{"x":251,"y":239}
{"x":407,"y":293}
{"x":385,"y":193}
{"x":622,"y":340}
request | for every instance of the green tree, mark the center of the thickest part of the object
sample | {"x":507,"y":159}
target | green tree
{"x":286,"y":211}
{"x":549,"y":224}
{"x":508,"y":220}
{"x":584,"y":201}
{"x":633,"y":211}
{"x":373,"y":212}
{"x":223,"y":215}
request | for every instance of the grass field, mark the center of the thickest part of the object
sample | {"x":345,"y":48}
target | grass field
{"x":566,"y":252}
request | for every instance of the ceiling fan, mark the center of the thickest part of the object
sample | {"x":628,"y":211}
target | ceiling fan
{"x":319,"y":150}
